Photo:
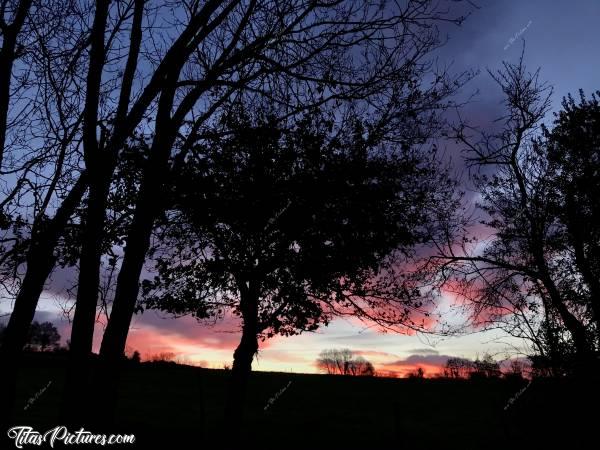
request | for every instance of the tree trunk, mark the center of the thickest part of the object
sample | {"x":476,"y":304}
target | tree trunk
{"x":115,"y":335}
{"x":147,"y":207}
{"x":40,"y":262}
{"x":574,"y":227}
{"x":575,"y":327}
{"x":577,"y":330}
{"x":242,"y":360}
{"x":101,"y":163}
{"x":536,"y":243}
{"x":8,"y":55}
{"x":73,"y":405}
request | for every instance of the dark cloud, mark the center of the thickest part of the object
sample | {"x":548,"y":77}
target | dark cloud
{"x":415,"y":360}
{"x":423,"y":351}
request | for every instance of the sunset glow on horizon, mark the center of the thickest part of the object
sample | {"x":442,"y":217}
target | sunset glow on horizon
{"x":186,"y":341}
{"x":480,"y":43}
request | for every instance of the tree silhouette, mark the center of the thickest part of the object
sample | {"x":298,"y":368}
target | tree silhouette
{"x":515,"y":370}
{"x":295,"y":55}
{"x":527,"y":278}
{"x":344,"y":362}
{"x":417,"y":374}
{"x":572,"y":148}
{"x":361,"y":367}
{"x":283,"y":225}
{"x":101,"y":81}
{"x":485,"y":368}
{"x":458,"y":368}
{"x":43,"y":336}
{"x":135,"y":357}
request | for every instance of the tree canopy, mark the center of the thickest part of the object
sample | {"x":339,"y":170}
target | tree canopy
{"x":303,"y":216}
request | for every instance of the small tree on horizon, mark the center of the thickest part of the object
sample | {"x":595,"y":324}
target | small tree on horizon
{"x":515,"y":371}
{"x":136,"y":358}
{"x":418,"y":374}
{"x":43,"y":336}
{"x":485,"y":367}
{"x":344,"y":362}
{"x":458,"y":368}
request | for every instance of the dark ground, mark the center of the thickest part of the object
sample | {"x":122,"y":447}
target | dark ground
{"x":176,"y":406}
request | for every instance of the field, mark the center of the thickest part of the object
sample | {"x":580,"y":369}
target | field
{"x":177,"y":404}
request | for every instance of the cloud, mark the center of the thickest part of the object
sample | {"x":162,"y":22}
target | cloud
{"x":423,"y":351}
{"x":432,"y":364}
{"x":153,"y":332}
{"x":374,"y":353}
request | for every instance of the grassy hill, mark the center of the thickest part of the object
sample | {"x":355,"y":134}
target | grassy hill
{"x":169,"y":403}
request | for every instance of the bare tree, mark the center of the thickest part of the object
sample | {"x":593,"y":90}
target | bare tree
{"x":516,"y":278}
{"x":516,"y":369}
{"x":485,"y":367}
{"x":417,"y":374}
{"x":327,"y":361}
{"x":361,"y":367}
{"x":344,"y":362}
{"x":458,"y":368}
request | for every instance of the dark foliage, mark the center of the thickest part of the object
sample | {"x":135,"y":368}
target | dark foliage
{"x":43,"y":336}
{"x":305,"y":215}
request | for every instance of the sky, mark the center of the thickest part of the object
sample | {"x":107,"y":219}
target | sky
{"x":562,"y":38}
